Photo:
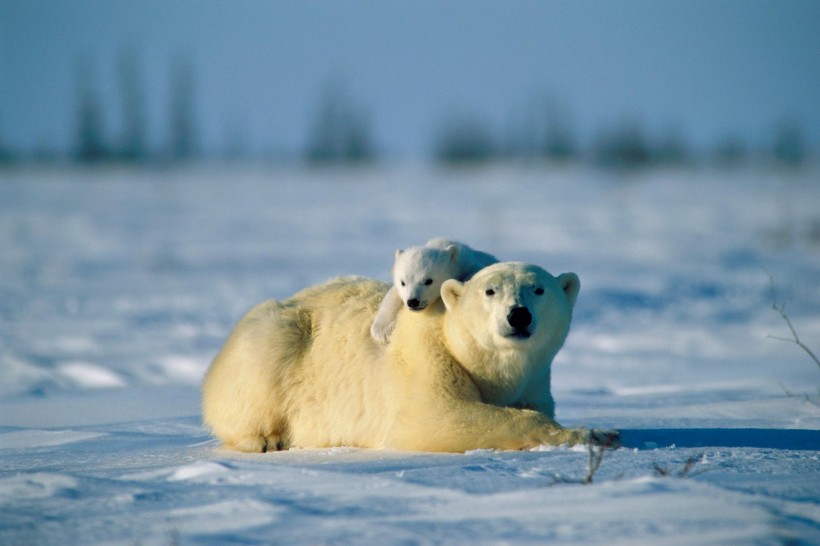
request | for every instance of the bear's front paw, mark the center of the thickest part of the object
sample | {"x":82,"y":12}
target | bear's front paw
{"x":605,"y":438}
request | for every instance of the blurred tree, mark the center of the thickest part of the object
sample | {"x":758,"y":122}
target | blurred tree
{"x":559,"y":141}
{"x":90,"y":146}
{"x":183,"y":145}
{"x":236,"y":145}
{"x":521,"y":138}
{"x":464,"y":139}
{"x":325,"y":136}
{"x":542,"y":129}
{"x":359,"y":146}
{"x":6,"y":156}
{"x":671,"y":148}
{"x":731,"y":152}
{"x":340,"y":132}
{"x":133,"y":145}
{"x":623,"y":147}
{"x":44,"y":152}
{"x":789,"y":148}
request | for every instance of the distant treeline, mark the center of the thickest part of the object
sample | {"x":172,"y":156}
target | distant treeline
{"x":341,"y":132}
{"x":548,"y":136}
{"x":92,"y":142}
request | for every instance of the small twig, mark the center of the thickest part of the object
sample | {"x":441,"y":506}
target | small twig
{"x":596,"y":455}
{"x":780,"y":309}
{"x":685,"y":472}
{"x":791,"y":394}
{"x":690,"y":464}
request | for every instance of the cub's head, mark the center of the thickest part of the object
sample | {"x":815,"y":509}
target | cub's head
{"x":418,"y":273}
{"x":511,"y":305}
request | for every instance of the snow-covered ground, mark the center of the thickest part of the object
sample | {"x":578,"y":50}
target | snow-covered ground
{"x":117,"y":287}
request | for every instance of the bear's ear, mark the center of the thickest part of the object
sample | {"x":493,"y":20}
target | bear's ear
{"x":450,"y":293}
{"x":571,"y":285}
{"x":453,"y":251}
{"x":399,"y":252}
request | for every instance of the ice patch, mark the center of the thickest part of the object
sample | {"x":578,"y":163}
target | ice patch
{"x":76,"y":345}
{"x":197,"y":470}
{"x":342,"y":449}
{"x":201,"y":470}
{"x":91,"y":376}
{"x":99,"y":406}
{"x":482,"y":451}
{"x":18,"y":374}
{"x":43,"y":438}
{"x":647,"y":390}
{"x":223,"y":516}
{"x":565,"y":447}
{"x":182,"y":369}
{"x":34,"y":486}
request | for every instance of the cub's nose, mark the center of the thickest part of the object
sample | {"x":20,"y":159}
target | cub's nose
{"x":412,"y":304}
{"x":519,"y":318}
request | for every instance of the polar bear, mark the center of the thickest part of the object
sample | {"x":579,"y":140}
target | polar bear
{"x":418,"y":273}
{"x":471,"y":371}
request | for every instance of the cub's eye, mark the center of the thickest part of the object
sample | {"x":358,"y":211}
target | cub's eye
{"x":428,"y":282}
{"x":489,"y":292}
{"x":539,"y":291}
{"x":402,"y":283}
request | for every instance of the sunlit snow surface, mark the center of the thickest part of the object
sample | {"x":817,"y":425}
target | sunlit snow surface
{"x":117,"y":287}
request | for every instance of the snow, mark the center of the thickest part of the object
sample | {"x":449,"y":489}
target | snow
{"x":117,"y":287}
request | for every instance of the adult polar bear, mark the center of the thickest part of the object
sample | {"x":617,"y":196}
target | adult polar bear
{"x":471,"y":372}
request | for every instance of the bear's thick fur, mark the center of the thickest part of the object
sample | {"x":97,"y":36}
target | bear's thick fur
{"x":472,"y":371}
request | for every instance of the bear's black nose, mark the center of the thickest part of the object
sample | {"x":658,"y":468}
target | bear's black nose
{"x":519,"y":318}
{"x":412,"y":304}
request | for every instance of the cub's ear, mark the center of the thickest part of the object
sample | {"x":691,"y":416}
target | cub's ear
{"x":453,"y":251}
{"x":451,"y":293}
{"x":399,"y":252}
{"x":571,"y":285}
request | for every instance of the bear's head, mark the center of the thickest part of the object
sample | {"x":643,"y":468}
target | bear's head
{"x":418,"y":273}
{"x":506,"y":324}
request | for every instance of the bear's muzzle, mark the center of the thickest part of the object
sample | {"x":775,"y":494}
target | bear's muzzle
{"x":519,"y":319}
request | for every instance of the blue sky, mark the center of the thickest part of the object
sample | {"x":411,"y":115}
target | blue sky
{"x":708,"y":69}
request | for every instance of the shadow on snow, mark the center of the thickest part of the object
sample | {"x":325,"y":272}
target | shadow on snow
{"x":793,"y":439}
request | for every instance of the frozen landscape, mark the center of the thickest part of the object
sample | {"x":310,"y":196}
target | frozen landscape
{"x":118,"y":286}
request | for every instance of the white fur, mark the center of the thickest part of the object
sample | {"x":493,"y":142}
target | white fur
{"x":457,"y":376}
{"x":418,"y":273}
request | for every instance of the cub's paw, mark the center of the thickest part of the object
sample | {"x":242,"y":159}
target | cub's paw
{"x":605,"y":438}
{"x":381,"y":333}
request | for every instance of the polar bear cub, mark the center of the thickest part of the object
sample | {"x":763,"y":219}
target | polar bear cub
{"x":418,"y":273}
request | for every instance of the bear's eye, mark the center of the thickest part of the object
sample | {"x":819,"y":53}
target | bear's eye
{"x":539,"y":291}
{"x":402,"y":283}
{"x":489,"y":292}
{"x":428,"y":282}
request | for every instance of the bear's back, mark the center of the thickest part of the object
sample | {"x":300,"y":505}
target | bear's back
{"x":335,"y":397}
